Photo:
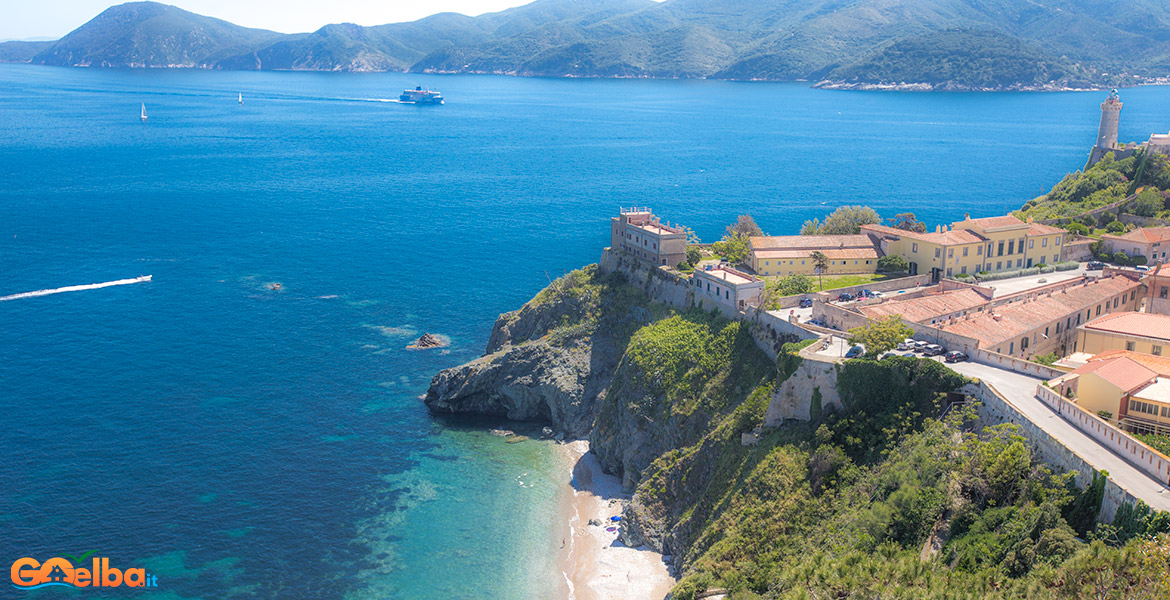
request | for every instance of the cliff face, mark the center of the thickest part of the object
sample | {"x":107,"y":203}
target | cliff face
{"x":592,"y":356}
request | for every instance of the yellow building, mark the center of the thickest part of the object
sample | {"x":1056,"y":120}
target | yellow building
{"x":1147,"y":333}
{"x":787,"y":254}
{"x":1133,"y":395}
{"x":972,"y":245}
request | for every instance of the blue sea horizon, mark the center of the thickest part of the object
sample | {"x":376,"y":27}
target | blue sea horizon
{"x":243,"y":441}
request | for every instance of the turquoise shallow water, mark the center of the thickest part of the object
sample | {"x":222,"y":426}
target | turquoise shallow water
{"x":242,"y":442}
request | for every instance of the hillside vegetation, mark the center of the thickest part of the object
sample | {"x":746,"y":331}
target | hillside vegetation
{"x":882,"y":499}
{"x":1105,"y":183}
{"x":885,"y":501}
{"x":959,"y":43}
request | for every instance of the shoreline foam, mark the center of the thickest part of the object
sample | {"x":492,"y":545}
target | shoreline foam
{"x":594,"y":564}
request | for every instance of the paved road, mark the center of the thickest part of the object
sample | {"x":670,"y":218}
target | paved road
{"x":1021,"y":391}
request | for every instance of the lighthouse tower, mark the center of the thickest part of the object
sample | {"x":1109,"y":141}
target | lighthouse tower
{"x":1110,"y":117}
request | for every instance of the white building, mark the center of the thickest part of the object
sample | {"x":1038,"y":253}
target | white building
{"x":727,"y":288}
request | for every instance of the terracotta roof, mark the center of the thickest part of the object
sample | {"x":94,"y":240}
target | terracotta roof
{"x":1143,"y":235}
{"x":1041,"y":229}
{"x":1125,"y":373}
{"x":924,"y":308}
{"x":1158,"y":364}
{"x":998,"y":222}
{"x":811,"y":242}
{"x":832,"y":253}
{"x":1148,"y":325}
{"x":946,"y":238}
{"x":1023,"y":316}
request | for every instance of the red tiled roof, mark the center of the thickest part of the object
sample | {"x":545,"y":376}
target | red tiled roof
{"x":832,"y":253}
{"x":1025,"y":315}
{"x":811,"y":242}
{"x":924,"y":308}
{"x":997,"y":222}
{"x":1143,"y":235}
{"x":946,"y":238}
{"x":1041,"y":229}
{"x":1148,"y":325}
{"x":1158,"y":364}
{"x":1125,"y":373}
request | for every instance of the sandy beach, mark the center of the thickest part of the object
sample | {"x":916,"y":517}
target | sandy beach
{"x":595,"y":565}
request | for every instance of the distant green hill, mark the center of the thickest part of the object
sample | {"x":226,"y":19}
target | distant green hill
{"x":952,"y":44}
{"x":18,"y":52}
{"x":148,"y":34}
{"x":965,"y":59}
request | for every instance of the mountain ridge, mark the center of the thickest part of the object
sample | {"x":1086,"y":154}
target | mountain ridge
{"x":940,"y":44}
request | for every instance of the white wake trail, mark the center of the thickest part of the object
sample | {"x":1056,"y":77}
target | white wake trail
{"x":75,"y":288}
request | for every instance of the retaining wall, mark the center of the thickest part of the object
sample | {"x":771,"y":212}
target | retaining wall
{"x":889,"y":285}
{"x":1121,"y":443}
{"x":996,"y":409}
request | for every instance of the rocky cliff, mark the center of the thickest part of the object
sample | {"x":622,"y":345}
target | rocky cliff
{"x":595,"y":358}
{"x":797,"y":477}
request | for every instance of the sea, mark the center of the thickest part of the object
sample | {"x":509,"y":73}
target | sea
{"x":239,"y":439}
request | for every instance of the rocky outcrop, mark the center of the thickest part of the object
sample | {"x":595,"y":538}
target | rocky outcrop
{"x":530,"y":382}
{"x":810,"y":390}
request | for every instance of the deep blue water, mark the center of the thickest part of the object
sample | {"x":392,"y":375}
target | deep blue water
{"x":245,"y":442}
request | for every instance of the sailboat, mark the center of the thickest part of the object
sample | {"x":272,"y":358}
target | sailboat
{"x":143,"y":112}
{"x":241,"y":97}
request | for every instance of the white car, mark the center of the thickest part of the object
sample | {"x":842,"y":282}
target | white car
{"x":906,"y":344}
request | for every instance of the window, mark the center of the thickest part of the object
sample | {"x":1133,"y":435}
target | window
{"x":1058,"y":327}
{"x":914,"y":247}
{"x":950,"y":253}
{"x":1012,"y":348}
{"x":979,"y":250}
{"x":1023,"y":343}
{"x":988,"y":248}
{"x":937,"y":252}
{"x":948,"y":272}
{"x":1130,"y":346}
{"x":1012,"y":247}
{"x":964,"y":270}
{"x":1115,"y":300}
{"x":1000,"y":249}
{"x":998,"y":265}
{"x":1046,"y":330}
{"x":1156,"y":351}
{"x":1044,"y":259}
{"x":965,"y":249}
{"x":1133,"y":293}
{"x":1031,"y":244}
{"x":1056,"y":241}
{"x":1019,"y":262}
{"x":1098,"y":310}
{"x":1020,"y":244}
{"x":1044,"y":243}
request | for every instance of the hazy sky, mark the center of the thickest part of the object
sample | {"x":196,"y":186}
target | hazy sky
{"x":23,"y":19}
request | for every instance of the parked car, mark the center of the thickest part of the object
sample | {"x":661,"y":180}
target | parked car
{"x":920,"y":346}
{"x":1142,"y":268}
{"x":869,"y":294}
{"x":1094,"y":265}
{"x":955,"y":356}
{"x":805,"y":302}
{"x":855,"y":352}
{"x":932,"y":350}
{"x":817,"y":322}
{"x":844,"y":297}
{"x":906,"y":344}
